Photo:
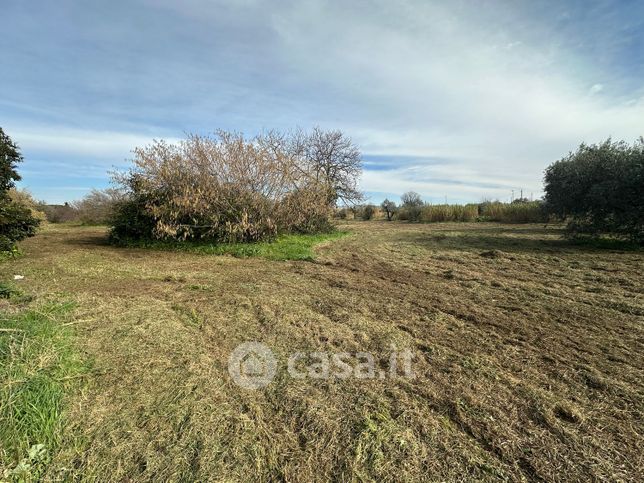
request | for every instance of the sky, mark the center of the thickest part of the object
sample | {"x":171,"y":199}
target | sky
{"x":459,"y":101}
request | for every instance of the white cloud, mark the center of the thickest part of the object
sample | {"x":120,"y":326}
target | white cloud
{"x":110,"y":146}
{"x":498,"y":93}
{"x":431,"y":80}
{"x":596,"y":88}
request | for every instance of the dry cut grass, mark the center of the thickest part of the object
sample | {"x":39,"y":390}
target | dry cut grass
{"x":529,"y":358}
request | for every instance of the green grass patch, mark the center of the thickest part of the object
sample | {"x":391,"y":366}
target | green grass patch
{"x":284,"y":247}
{"x":38,"y":366}
{"x":7,"y":290}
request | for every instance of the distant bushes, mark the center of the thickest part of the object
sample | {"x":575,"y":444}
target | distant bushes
{"x":64,"y":213}
{"x":411,"y":206}
{"x":413,"y":209}
{"x":230,"y":188}
{"x":98,"y":207}
{"x":599,"y":189}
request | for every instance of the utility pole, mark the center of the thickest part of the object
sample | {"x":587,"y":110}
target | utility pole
{"x":512,"y":197}
{"x":521,"y":193}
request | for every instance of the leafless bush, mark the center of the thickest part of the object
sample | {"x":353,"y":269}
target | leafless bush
{"x":97,"y":208}
{"x":59,"y":213}
{"x":230,"y":188}
{"x":332,"y":160}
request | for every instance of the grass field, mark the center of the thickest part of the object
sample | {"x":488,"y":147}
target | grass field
{"x":529,"y":356}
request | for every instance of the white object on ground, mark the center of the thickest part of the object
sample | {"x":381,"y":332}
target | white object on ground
{"x":18,"y":277}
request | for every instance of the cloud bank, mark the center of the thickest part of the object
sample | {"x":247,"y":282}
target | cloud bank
{"x":446,"y":98}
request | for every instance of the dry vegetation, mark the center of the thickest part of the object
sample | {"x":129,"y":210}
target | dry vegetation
{"x":234,"y":189}
{"x":529,"y":357}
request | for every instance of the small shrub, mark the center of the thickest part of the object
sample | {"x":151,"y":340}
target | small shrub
{"x":341,"y":214}
{"x":98,"y":207}
{"x":366,"y":212}
{"x":16,"y":223}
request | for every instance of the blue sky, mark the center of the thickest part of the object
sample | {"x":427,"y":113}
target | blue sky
{"x":450,"y":99}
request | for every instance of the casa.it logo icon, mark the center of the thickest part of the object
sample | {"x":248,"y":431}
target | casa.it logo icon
{"x":252,"y":365}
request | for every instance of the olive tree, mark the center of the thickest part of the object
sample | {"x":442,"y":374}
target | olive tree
{"x":389,"y":207}
{"x":598,"y":189}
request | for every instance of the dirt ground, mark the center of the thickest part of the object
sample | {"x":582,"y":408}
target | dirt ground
{"x":529,"y":357}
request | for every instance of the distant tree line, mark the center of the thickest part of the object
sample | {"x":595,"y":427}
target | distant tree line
{"x":228,"y":187}
{"x":597,"y":190}
{"x":413,"y":209}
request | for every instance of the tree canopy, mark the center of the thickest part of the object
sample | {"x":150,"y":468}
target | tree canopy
{"x":16,"y":220}
{"x":600,"y":189}
{"x":9,"y":158}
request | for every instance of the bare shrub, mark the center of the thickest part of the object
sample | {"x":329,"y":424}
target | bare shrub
{"x":98,"y":207}
{"x":229,"y":188}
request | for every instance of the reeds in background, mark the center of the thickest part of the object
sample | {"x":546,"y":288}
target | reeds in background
{"x":524,"y":212}
{"x":438,"y":213}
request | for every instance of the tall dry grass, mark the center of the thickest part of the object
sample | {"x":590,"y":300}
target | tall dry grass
{"x":528,"y":212}
{"x":438,"y":213}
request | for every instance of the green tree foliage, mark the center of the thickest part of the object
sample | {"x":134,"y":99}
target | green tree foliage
{"x":16,"y":219}
{"x":599,"y":189}
{"x":9,"y":158}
